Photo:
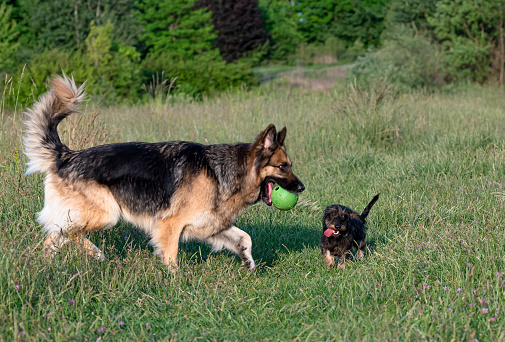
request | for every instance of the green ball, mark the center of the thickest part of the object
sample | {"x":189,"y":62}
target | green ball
{"x":283,"y":199}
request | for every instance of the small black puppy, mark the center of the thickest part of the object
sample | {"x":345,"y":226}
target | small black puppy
{"x":343,"y":230}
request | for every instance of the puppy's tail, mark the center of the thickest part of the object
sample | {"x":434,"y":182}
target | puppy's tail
{"x":365,"y":212}
{"x":43,"y":146}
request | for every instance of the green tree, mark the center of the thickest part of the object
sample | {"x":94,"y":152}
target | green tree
{"x":175,"y":27}
{"x":8,"y":36}
{"x":98,"y":44}
{"x":58,"y":24}
{"x":471,"y":33}
{"x":412,"y":13}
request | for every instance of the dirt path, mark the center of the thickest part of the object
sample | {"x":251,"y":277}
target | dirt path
{"x":321,"y":79}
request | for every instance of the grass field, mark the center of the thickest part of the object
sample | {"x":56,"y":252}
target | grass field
{"x":433,"y":270}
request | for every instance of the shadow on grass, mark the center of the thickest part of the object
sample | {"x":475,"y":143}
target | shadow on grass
{"x":268,"y":242}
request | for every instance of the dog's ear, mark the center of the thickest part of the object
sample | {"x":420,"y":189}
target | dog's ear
{"x":269,"y":137}
{"x":281,"y":136}
{"x":266,"y":139}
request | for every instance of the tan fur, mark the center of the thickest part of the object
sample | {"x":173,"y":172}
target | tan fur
{"x":62,"y":100}
{"x":328,"y":259}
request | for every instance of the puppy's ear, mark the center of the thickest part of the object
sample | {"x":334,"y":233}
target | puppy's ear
{"x":346,"y":217}
{"x":281,"y":136}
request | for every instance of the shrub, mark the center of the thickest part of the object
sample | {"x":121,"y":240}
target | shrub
{"x":408,"y":61}
{"x":203,"y":74}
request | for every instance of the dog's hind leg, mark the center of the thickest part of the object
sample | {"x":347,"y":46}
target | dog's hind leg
{"x":361,"y":250}
{"x":235,"y":240}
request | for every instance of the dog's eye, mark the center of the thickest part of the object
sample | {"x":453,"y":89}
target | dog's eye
{"x":283,"y":167}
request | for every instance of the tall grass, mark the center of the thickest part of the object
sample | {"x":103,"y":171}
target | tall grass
{"x":433,"y":271}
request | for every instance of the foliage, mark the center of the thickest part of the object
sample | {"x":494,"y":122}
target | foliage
{"x":65,"y":24}
{"x":362,"y":21}
{"x":109,"y":69}
{"x":413,"y":13}
{"x":239,"y":26}
{"x":470,"y":34}
{"x":407,"y":60}
{"x":175,"y":27}
{"x":315,"y":21}
{"x":284,"y":36}
{"x":202,"y":74}
{"x":8,"y":36}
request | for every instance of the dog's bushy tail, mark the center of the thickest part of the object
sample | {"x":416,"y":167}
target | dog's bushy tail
{"x":365,"y":212}
{"x":41,"y":141}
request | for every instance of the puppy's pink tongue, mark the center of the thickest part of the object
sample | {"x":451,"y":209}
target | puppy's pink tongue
{"x":328,"y":232}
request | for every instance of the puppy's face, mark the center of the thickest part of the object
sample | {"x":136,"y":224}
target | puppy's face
{"x":273,"y":164}
{"x":337,"y":226}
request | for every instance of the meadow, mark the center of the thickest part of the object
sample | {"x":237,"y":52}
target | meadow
{"x":434,"y":267}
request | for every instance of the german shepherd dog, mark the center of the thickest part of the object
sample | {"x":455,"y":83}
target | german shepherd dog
{"x":171,"y":190}
{"x":343,"y":230}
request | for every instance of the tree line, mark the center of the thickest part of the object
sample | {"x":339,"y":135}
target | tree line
{"x":212,"y":45}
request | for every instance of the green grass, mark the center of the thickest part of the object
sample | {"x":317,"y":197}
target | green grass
{"x":438,"y":224}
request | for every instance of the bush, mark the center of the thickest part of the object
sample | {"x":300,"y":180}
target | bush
{"x":406,"y":60}
{"x":203,"y":74}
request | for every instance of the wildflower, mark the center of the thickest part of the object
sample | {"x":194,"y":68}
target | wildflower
{"x":191,"y":262}
{"x":449,"y":310}
{"x":71,"y":302}
{"x":437,"y":281}
{"x":492,"y":319}
{"x":49,"y":329}
{"x":475,"y":340}
{"x":458,"y":290}
{"x":300,"y":13}
{"x":121,"y":323}
{"x":499,"y":274}
{"x":485,"y":310}
{"x":427,"y":287}
{"x":126,"y":237}
{"x":17,"y":287}
{"x":474,"y":291}
{"x":446,"y":288}
{"x":148,"y":325}
{"x":472,"y":305}
{"x":420,"y":291}
{"x":483,"y":301}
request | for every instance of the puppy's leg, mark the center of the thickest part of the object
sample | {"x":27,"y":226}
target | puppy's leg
{"x":342,"y":260}
{"x":166,"y":237}
{"x":329,"y":260}
{"x":237,"y":241}
{"x":361,"y":250}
